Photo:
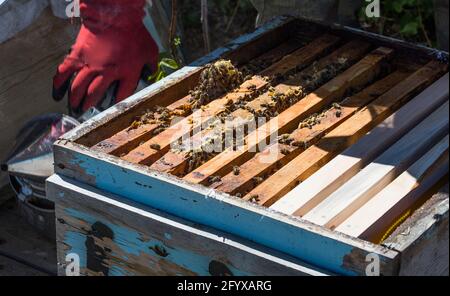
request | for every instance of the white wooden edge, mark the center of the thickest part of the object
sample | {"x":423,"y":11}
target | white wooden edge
{"x":394,"y":193}
{"x":348,"y":163}
{"x":382,"y":171}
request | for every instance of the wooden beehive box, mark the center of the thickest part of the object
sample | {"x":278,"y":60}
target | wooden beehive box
{"x":362,"y":141}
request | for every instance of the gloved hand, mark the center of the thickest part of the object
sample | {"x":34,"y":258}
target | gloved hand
{"x":112,"y":46}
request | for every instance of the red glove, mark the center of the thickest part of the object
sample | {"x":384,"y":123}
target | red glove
{"x":112,"y":46}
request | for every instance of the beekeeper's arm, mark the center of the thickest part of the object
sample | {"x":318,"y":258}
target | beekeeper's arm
{"x":113,"y":46}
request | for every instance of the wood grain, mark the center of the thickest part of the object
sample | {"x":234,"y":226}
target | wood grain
{"x":345,"y":165}
{"x":176,"y":163}
{"x":28,"y":63}
{"x":303,"y":137}
{"x":344,"y":136}
{"x":303,"y":56}
{"x":127,"y":139}
{"x":381,"y":172}
{"x":145,"y":241}
{"x":358,"y":75}
{"x":374,"y":218}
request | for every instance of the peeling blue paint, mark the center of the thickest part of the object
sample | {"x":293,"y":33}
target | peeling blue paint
{"x":76,"y":241}
{"x":130,"y":243}
{"x":116,"y":270}
{"x":313,"y":248}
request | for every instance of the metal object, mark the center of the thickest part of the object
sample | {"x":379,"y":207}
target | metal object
{"x":30,"y":163}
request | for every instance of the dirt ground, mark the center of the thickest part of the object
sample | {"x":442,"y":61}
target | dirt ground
{"x":23,"y":251}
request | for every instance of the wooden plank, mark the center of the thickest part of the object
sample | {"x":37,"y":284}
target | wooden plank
{"x":374,"y":218}
{"x":192,"y":122}
{"x":358,"y":75}
{"x":179,"y":163}
{"x":344,"y":166}
{"x":207,"y":207}
{"x":28,"y":64}
{"x":291,"y":61}
{"x":303,"y":137}
{"x":343,"y":136}
{"x":420,"y":254}
{"x":128,"y":139}
{"x":382,"y":171}
{"x":144,"y":154}
{"x":145,"y":241}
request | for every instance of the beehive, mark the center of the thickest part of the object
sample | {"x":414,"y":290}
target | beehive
{"x":336,"y":121}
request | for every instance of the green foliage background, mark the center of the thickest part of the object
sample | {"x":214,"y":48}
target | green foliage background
{"x":412,"y":20}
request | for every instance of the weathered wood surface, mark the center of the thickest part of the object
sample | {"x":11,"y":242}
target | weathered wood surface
{"x":128,"y":139}
{"x":357,"y":75}
{"x":144,"y":154}
{"x":380,"y":212}
{"x":263,"y":164}
{"x":423,"y":238}
{"x":262,"y":40}
{"x":137,"y":183}
{"x":177,"y":85}
{"x":345,"y":135}
{"x":294,"y":237}
{"x":28,"y":63}
{"x":177,"y":163}
{"x":381,"y":172}
{"x":113,"y":236}
{"x":344,"y":166}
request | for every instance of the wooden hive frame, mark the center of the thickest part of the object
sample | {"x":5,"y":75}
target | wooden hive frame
{"x":106,"y":153}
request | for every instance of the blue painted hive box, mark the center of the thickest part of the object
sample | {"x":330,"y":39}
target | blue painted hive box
{"x":128,"y":203}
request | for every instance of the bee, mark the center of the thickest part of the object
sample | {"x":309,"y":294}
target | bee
{"x":236,"y":170}
{"x":155,"y":146}
{"x":254,"y":198}
{"x":303,"y":124}
{"x":285,"y":151}
{"x":158,"y":130}
{"x":134,"y":125}
{"x":257,"y":180}
{"x":336,"y":106}
{"x":251,"y":87}
{"x":215,"y":179}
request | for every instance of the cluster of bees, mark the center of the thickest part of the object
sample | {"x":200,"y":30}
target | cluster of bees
{"x":158,"y":115}
{"x":316,"y":77}
{"x":196,"y":158}
{"x":279,"y":102}
{"x":221,"y":77}
{"x":217,"y":79}
{"x":309,"y":123}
